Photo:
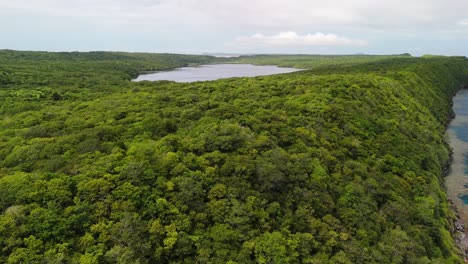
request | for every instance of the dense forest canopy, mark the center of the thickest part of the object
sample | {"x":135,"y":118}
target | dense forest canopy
{"x":336,"y":164}
{"x":314,"y":61}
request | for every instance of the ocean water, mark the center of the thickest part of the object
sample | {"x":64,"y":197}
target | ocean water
{"x":457,"y":136}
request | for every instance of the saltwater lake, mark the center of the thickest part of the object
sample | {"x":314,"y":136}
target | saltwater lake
{"x":213,"y":72}
{"x":457,"y":181}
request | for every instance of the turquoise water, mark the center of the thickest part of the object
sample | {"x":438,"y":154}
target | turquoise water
{"x":464,"y":199}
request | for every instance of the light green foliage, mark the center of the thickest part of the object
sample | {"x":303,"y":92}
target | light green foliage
{"x":314,"y":61}
{"x":338,"y":164}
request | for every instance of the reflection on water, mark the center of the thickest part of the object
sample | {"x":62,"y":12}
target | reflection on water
{"x":213,"y":72}
{"x":457,"y":133}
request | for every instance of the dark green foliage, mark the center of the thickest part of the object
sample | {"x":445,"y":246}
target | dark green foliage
{"x":330,"y":165}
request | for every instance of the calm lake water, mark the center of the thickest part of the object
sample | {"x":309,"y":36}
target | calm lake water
{"x":457,"y":133}
{"x":213,"y":72}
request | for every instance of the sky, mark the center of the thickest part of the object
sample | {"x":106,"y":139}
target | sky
{"x":417,"y":27}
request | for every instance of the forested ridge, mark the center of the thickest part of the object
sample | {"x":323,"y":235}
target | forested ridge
{"x":329,"y":165}
{"x":314,"y":61}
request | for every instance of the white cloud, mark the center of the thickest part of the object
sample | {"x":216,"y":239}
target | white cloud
{"x":272,"y":14}
{"x":141,"y":15}
{"x":291,"y":38}
{"x":380,"y":14}
{"x":463,"y":22}
{"x":209,"y":24}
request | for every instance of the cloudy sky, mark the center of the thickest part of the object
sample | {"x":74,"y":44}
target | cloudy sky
{"x":237,"y":26}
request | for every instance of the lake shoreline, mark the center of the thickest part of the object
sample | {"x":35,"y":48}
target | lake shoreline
{"x":211,"y":72}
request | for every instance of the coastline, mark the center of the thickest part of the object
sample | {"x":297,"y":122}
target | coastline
{"x":454,"y":183}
